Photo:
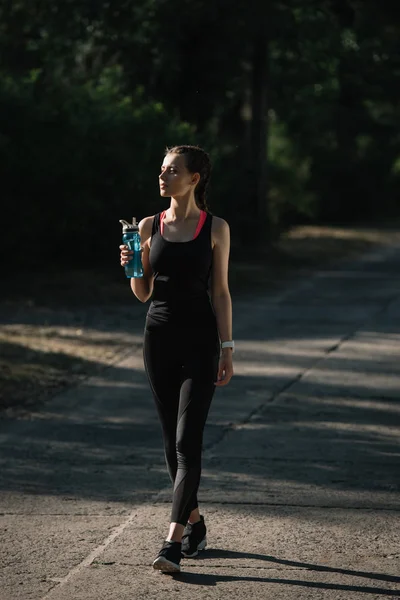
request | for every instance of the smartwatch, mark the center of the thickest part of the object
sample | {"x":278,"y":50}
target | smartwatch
{"x":230,"y":344}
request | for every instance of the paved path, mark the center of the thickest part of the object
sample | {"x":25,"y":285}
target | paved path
{"x":301,"y":470}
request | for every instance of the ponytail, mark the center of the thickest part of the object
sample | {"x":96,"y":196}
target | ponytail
{"x":200,"y":194}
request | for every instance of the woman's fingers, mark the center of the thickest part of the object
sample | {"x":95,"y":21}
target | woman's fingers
{"x":126,"y":254}
{"x":225,"y":372}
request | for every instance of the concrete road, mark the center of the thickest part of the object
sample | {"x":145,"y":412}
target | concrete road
{"x":301,"y":470}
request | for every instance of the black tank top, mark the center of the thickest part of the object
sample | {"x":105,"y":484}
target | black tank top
{"x":181,"y":279}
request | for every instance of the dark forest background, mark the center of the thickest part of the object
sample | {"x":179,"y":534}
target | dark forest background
{"x":297,"y":103}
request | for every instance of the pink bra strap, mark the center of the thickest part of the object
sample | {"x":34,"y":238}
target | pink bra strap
{"x":162,"y":216}
{"x":203,"y":216}
{"x":202,"y":219}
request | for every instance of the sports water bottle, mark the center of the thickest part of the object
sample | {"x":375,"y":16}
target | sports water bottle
{"x":131,"y":237}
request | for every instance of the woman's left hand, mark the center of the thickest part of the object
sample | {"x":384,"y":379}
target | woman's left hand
{"x":225,"y":368}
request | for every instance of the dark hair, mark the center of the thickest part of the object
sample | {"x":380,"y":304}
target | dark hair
{"x":197,"y":161}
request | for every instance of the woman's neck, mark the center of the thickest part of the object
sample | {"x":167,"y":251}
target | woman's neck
{"x":183,"y":208}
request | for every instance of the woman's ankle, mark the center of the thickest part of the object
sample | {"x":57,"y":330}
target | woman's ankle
{"x":175,"y":532}
{"x":194,"y":517}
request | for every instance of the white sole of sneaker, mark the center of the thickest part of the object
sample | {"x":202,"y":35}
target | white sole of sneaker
{"x":165,"y":566}
{"x":201,"y":546}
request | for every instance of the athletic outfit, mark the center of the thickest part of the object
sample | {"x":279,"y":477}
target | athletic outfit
{"x":181,"y":353}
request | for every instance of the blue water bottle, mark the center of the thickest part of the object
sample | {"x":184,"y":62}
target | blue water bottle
{"x":131,"y":237}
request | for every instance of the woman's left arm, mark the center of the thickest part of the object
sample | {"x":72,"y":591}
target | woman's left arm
{"x":220,"y":296}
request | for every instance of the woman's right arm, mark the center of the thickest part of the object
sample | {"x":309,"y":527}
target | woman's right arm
{"x":142,"y":287}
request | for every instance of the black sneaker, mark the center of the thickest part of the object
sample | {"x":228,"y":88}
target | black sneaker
{"x":194,"y":538}
{"x":168,"y":558}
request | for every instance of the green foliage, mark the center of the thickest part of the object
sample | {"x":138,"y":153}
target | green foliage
{"x":78,"y":158}
{"x":289,"y":177}
{"x":339,"y":76}
{"x":90,"y":94}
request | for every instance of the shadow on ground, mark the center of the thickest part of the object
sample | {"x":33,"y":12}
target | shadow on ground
{"x":328,"y":431}
{"x":211,"y":579}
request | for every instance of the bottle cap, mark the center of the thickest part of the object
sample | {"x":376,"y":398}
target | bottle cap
{"x":129,"y":226}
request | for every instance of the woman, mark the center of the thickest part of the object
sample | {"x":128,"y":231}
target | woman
{"x":188,"y":338}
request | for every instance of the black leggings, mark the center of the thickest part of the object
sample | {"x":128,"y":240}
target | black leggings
{"x":182,"y":367}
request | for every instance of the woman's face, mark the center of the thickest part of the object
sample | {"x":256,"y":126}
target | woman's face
{"x":175,"y":180}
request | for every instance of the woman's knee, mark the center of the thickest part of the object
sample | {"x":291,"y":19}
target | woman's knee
{"x":188,"y":451}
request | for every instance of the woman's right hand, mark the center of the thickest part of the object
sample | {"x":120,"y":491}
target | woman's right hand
{"x":126,"y":254}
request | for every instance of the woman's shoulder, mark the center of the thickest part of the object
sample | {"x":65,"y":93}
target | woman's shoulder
{"x":219,"y":229}
{"x":146,"y":226}
{"x":219,"y":224}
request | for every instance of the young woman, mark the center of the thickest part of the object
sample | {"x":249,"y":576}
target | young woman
{"x":188,"y":332}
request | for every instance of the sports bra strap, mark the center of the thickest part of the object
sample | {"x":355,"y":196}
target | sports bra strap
{"x":162,"y":217}
{"x":203,"y":217}
{"x":156,"y":224}
{"x":202,"y":220}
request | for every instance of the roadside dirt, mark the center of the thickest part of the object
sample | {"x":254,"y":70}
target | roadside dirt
{"x":59,"y":328}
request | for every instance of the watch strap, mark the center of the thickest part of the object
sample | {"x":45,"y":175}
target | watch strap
{"x":228,"y":344}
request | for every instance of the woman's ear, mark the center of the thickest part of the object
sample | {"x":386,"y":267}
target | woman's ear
{"x":195,"y":178}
